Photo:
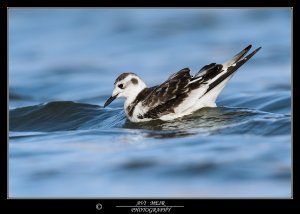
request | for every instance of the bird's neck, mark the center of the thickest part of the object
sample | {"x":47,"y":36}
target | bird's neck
{"x":133,"y":94}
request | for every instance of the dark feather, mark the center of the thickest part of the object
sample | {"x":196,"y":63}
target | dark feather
{"x":205,"y":68}
{"x":123,"y":76}
{"x":212,"y":72}
{"x":165,"y":97}
{"x":170,"y":89}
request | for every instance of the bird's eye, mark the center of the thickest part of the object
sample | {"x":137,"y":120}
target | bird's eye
{"x":120,"y":86}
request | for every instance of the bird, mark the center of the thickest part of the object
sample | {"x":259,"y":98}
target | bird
{"x":180,"y":95}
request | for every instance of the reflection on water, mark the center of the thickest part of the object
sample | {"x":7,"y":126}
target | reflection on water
{"x":63,"y":143}
{"x":206,"y":121}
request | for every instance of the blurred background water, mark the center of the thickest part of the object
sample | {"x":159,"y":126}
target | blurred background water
{"x":62,"y":66}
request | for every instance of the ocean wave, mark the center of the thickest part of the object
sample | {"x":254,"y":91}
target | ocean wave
{"x":67,"y":115}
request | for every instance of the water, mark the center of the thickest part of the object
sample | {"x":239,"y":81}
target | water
{"x":63,"y":143}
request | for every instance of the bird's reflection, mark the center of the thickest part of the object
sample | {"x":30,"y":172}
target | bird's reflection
{"x":206,"y":121}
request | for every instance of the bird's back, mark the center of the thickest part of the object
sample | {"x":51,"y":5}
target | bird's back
{"x":181,"y":94}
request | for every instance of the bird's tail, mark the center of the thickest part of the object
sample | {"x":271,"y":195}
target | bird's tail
{"x":231,"y":66}
{"x":237,"y":57}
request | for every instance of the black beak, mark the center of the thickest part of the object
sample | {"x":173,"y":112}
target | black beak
{"x":112,"y":98}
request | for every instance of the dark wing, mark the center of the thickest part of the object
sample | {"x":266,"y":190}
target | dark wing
{"x":164,"y":96}
{"x":175,"y":85}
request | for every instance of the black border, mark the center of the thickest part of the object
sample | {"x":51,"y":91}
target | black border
{"x":108,"y":205}
{"x":195,"y":205}
{"x":148,"y":3}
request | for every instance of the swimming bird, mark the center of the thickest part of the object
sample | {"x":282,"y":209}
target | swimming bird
{"x":181,"y":94}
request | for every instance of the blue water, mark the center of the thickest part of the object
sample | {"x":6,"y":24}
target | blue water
{"x":62,"y":66}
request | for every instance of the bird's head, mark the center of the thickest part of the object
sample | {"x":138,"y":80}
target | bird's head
{"x":127,"y":85}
